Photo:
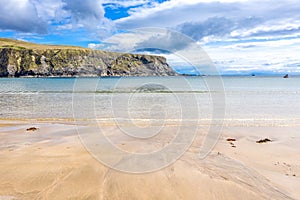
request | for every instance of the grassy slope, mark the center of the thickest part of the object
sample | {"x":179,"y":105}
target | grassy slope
{"x":18,"y":44}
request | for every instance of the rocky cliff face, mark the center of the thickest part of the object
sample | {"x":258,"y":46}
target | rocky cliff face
{"x":16,"y":61}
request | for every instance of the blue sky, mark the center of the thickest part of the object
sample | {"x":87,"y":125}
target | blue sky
{"x":240,"y":36}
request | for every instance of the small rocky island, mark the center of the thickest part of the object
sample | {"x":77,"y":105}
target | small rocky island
{"x":23,"y":59}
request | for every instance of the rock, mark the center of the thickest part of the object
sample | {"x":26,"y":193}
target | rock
{"x":231,"y":140}
{"x":264,"y":140}
{"x":18,"y":59}
{"x":32,"y":129}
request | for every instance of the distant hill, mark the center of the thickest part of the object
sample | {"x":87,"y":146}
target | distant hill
{"x":19,"y":58}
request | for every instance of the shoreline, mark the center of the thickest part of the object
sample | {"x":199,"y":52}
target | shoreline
{"x":171,"y":122}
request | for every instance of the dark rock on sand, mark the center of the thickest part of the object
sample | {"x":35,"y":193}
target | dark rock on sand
{"x":264,"y":140}
{"x":231,"y":140}
{"x":32,"y":129}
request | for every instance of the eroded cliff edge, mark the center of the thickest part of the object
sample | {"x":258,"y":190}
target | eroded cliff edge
{"x":19,"y":58}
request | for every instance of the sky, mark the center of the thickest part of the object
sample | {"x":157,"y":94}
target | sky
{"x":238,"y":36}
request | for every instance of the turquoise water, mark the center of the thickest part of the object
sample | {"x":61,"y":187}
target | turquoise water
{"x":247,"y":100}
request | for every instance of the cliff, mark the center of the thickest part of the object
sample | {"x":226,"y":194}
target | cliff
{"x":19,"y":58}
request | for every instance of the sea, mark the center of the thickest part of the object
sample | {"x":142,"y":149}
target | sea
{"x":223,"y":100}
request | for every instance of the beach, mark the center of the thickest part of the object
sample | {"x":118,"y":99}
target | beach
{"x":52,"y":163}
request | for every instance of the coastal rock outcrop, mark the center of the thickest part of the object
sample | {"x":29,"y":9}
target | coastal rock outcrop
{"x":19,"y":58}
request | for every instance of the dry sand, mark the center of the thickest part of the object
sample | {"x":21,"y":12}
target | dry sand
{"x":52,"y":163}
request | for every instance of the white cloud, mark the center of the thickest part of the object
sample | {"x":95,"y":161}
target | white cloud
{"x":233,"y":15}
{"x":146,"y":38}
{"x":166,"y":14}
{"x":89,"y":13}
{"x":21,"y":15}
{"x":50,"y":9}
{"x":265,"y":56}
{"x":35,"y":16}
{"x":130,"y":40}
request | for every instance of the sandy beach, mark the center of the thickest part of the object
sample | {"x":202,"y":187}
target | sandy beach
{"x":52,"y":163}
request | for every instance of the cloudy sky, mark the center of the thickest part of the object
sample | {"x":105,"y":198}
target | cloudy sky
{"x":239,"y":36}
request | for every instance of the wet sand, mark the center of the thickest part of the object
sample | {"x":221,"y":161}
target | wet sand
{"x":52,"y":163}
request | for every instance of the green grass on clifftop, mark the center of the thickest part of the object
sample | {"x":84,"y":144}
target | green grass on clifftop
{"x":19,"y":45}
